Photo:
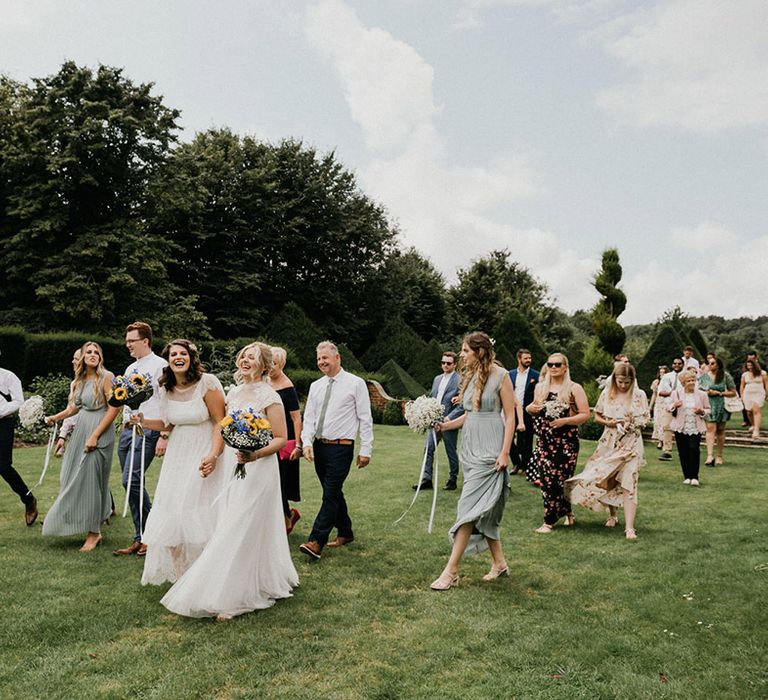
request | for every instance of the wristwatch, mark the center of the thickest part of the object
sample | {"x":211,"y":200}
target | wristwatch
{"x":164,"y":435}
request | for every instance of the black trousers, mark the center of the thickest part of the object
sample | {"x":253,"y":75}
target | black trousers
{"x":332,"y":465}
{"x":6,"y":461}
{"x":690,"y":455}
{"x":522,"y":444}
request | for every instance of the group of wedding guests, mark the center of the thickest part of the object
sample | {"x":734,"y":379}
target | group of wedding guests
{"x":222,"y":540}
{"x":219,"y":539}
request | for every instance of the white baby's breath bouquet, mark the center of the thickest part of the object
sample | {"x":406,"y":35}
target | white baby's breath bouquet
{"x":423,"y":414}
{"x":554,"y":409}
{"x":31,"y":413}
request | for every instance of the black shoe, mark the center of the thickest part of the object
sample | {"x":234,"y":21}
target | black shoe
{"x":665,"y":457}
{"x":450,"y":486}
{"x":425,"y":485}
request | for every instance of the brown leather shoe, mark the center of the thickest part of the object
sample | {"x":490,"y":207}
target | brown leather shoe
{"x":142,"y":551}
{"x":132,"y":548}
{"x":31,"y":513}
{"x":311,"y":548}
{"x":341,"y":541}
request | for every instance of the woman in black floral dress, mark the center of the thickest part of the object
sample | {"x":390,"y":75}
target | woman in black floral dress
{"x":559,"y":406}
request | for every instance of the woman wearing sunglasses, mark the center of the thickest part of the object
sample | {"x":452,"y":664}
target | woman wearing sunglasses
{"x":609,"y":479}
{"x":559,"y":407}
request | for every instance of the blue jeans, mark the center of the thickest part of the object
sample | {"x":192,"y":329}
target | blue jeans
{"x":448,"y":438}
{"x":332,"y":465}
{"x":124,"y":455}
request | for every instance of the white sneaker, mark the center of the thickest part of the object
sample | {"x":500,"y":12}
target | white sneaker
{"x":694,"y":482}
{"x":686,"y":481}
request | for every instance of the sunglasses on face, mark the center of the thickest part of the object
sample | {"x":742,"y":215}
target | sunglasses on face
{"x":554,"y":364}
{"x":446,"y":363}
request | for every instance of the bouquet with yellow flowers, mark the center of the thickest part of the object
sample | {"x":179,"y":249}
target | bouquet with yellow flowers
{"x":130,"y":390}
{"x":245,"y":430}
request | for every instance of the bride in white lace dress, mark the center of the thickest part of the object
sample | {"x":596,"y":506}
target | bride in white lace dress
{"x":246,"y":565}
{"x":182,"y":518}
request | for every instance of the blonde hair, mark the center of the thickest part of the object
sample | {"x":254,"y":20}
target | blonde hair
{"x":482,"y":345}
{"x":279,"y":356}
{"x":263,"y":356}
{"x":327,"y":345}
{"x":687,"y":374}
{"x":80,"y":374}
{"x":542,"y":388}
{"x":622,"y":369}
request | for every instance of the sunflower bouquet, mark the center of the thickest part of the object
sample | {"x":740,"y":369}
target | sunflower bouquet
{"x":130,"y":390}
{"x":245,"y":430}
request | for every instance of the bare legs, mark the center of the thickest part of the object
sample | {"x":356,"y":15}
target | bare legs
{"x":756,"y":419}
{"x":460,"y":540}
{"x":709,"y":440}
{"x":92,"y":541}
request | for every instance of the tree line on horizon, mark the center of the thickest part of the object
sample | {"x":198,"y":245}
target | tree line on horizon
{"x":106,"y":216}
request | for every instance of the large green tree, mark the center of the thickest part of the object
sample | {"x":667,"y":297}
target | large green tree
{"x":77,"y":150}
{"x":491,"y":286}
{"x":258,"y":225}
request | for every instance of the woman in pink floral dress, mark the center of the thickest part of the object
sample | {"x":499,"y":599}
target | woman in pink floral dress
{"x":609,"y":479}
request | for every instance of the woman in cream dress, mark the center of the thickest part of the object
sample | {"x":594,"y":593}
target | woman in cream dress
{"x":754,"y":386}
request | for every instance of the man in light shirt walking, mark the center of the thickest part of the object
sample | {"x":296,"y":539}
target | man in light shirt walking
{"x":338,"y":407}
{"x":667,"y":385}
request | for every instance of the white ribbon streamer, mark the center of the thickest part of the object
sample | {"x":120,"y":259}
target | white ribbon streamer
{"x":51,"y":443}
{"x":433,"y":436}
{"x":130,"y":471}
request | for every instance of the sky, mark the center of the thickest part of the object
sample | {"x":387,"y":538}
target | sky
{"x":551,"y":128}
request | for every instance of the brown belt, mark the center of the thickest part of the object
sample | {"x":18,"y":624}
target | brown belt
{"x":336,"y":442}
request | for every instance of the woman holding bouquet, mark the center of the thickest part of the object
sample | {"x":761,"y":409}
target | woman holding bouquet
{"x":486,"y":391}
{"x":288,"y":457}
{"x":84,"y":501}
{"x":246,"y":564}
{"x":609,"y":479}
{"x":182,"y":517}
{"x":558,"y":408}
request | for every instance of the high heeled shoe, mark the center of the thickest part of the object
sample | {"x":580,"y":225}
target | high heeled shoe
{"x":91,"y":543}
{"x":445,"y":581}
{"x":544,"y":529}
{"x":495,"y":573}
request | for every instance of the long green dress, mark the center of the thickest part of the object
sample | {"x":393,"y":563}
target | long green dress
{"x":484,"y":493}
{"x":84,"y":501}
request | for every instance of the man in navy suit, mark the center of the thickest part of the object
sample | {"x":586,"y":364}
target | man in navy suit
{"x":524,"y":380}
{"x":444,"y":388}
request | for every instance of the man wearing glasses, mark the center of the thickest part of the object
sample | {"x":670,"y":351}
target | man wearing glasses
{"x":138,"y":341}
{"x":445,"y":388}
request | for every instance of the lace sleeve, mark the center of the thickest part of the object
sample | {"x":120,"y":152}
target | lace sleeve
{"x":210,"y":382}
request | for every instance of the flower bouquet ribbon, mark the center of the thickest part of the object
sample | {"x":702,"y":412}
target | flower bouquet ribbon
{"x":245,"y":430}
{"x":422,"y":415}
{"x":132,"y":391}
{"x":31,"y":416}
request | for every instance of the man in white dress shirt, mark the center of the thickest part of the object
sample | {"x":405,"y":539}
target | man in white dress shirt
{"x":11,"y":398}
{"x":338,"y":407}
{"x":689,"y":361}
{"x":138,"y":340}
{"x":667,"y":385}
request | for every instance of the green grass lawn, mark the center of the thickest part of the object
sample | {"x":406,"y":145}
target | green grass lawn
{"x":680,"y":613}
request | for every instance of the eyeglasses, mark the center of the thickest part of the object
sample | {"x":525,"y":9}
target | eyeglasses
{"x":443,"y":362}
{"x":554,"y":364}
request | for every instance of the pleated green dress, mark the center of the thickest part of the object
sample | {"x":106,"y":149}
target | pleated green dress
{"x":84,"y":501}
{"x":484,"y":493}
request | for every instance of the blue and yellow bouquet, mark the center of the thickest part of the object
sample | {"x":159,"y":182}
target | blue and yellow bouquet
{"x":130,"y":390}
{"x":245,"y":430}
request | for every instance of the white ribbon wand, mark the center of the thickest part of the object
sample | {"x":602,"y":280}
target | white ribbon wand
{"x":51,"y":443}
{"x":433,"y":437}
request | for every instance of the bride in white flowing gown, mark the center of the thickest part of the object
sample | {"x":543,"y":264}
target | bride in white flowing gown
{"x":246,"y":565}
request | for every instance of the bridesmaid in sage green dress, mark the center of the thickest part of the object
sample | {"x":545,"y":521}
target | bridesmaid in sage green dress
{"x":486,"y":439}
{"x":84,"y":501}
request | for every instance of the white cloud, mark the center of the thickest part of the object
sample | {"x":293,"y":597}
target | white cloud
{"x":719,"y":273}
{"x":443,"y":209}
{"x":697,"y":64}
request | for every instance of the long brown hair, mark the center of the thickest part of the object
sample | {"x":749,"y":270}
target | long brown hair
{"x":80,"y":374}
{"x":622,"y":369}
{"x":482,"y":345}
{"x":756,"y":369}
{"x":195,"y":371}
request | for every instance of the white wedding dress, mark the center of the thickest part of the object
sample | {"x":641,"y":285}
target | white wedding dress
{"x":182,"y":518}
{"x":246,"y":565}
